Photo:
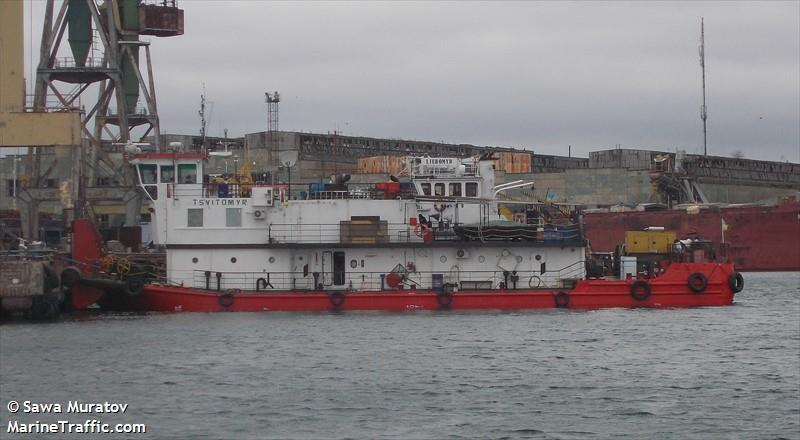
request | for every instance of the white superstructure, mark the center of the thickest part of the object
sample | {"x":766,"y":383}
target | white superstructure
{"x":444,"y":227}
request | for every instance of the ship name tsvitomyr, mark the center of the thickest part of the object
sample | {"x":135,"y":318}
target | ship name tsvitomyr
{"x":216,"y":202}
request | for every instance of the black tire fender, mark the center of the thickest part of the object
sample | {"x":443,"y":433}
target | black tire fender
{"x":51,"y":280}
{"x":134,"y":286}
{"x":336,"y":299}
{"x":444,"y":299}
{"x":562,"y":300}
{"x":640,"y":290}
{"x":697,"y":282}
{"x":226,"y":299}
{"x":70,"y":276}
{"x":736,"y":282}
{"x":44,"y":308}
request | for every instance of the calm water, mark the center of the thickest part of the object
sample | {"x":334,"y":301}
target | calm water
{"x":730,"y":372}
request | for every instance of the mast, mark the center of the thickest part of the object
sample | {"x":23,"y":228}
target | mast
{"x":703,"y":114}
{"x":272,"y":147}
{"x":202,"y":114}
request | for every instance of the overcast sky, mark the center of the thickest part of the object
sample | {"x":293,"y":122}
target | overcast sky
{"x":534,"y":75}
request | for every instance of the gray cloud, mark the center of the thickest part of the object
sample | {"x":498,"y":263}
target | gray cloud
{"x":537,"y":75}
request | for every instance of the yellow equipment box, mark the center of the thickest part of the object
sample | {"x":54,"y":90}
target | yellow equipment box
{"x":649,"y":242}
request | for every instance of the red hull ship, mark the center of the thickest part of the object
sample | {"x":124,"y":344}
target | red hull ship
{"x":756,"y":239}
{"x":442,"y":244}
{"x":670,"y":289}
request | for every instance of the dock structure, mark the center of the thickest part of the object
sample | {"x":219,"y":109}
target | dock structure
{"x":606,"y":178}
{"x":29,"y":285}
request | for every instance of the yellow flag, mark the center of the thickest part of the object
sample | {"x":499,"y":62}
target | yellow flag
{"x":724,"y":225}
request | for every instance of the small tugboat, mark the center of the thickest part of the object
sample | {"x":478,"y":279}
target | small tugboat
{"x":92,"y":276}
{"x":440,"y":240}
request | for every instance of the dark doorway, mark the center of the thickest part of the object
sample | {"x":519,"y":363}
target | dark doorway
{"x":338,"y":268}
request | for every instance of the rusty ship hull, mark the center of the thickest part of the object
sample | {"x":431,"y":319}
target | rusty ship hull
{"x":755,"y":239}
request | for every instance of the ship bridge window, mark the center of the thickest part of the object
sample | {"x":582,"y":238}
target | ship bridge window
{"x":152,"y":191}
{"x":187,"y":173}
{"x":438,"y":189}
{"x":167,"y":174}
{"x":472,"y":189}
{"x":426,"y":188}
{"x":455,"y":189}
{"x":147,"y":173}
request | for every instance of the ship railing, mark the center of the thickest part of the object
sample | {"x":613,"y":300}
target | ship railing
{"x":213,"y":190}
{"x":346,"y":232}
{"x":574,"y":271}
{"x":227,"y":190}
{"x":371,"y":192}
{"x":377,"y":281}
{"x":336,"y":195}
{"x":426,"y":170}
{"x":222,"y":190}
{"x":378,"y":233}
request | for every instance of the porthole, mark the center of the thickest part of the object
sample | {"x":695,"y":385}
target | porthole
{"x":519,"y":259}
{"x":195,"y":260}
{"x":538,"y":257}
{"x":233,"y":259}
{"x":271,"y":259}
{"x":353,"y":264}
{"x":443,"y":258}
{"x":481,"y":259}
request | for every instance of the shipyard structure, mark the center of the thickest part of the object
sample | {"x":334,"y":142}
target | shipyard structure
{"x":614,"y":179}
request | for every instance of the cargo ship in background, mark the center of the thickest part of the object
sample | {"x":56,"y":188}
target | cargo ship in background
{"x":756,"y":238}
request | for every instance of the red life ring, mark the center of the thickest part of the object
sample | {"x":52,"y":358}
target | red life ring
{"x":393,"y":279}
